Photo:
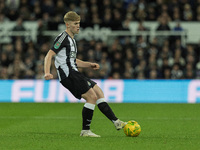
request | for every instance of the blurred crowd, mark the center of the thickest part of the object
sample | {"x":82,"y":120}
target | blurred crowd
{"x":123,"y":58}
{"x":104,"y":11}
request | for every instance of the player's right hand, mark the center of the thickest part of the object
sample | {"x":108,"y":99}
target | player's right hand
{"x":48,"y":76}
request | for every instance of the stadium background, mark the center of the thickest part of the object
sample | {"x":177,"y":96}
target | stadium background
{"x":134,"y":41}
{"x":143,"y":64}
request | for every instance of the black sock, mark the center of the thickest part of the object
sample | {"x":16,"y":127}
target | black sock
{"x":107,"y":111}
{"x":87,"y":114}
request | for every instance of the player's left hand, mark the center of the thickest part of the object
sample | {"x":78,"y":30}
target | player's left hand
{"x":94,"y":66}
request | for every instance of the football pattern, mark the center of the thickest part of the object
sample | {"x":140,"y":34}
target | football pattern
{"x":132,"y":128}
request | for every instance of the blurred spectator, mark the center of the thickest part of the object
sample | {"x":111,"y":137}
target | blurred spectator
{"x":60,"y":8}
{"x":153,"y":74}
{"x":83,"y":12}
{"x":141,"y":14}
{"x":117,"y":20}
{"x":19,"y":27}
{"x":176,"y":14}
{"x":105,"y":68}
{"x":167,"y":73}
{"x":3,"y":18}
{"x":178,"y":57}
{"x":48,"y":7}
{"x":4,"y":60}
{"x":151,"y":13}
{"x":17,"y":69}
{"x":128,"y":70}
{"x":131,"y":8}
{"x":163,"y":26}
{"x":141,"y":27}
{"x":9,"y":51}
{"x":116,"y":75}
{"x":128,"y":2}
{"x":3,"y":7}
{"x":127,"y":21}
{"x":187,"y":12}
{"x":116,"y":69}
{"x":176,"y":72}
{"x":164,"y":18}
{"x":129,"y":55}
{"x":37,"y":11}
{"x":107,"y":17}
{"x":42,"y":26}
{"x":140,"y":75}
{"x":189,"y":71}
{"x":24,"y":13}
{"x":141,"y":67}
{"x":12,"y":4}
{"x":4,"y":72}
{"x":178,"y":27}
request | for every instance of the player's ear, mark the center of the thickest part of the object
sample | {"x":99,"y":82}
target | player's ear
{"x":67,"y":24}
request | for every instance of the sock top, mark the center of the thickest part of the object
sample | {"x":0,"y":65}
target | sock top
{"x":89,"y":106}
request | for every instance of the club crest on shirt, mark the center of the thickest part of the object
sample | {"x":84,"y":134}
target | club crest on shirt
{"x":72,"y":54}
{"x":57,"y":45}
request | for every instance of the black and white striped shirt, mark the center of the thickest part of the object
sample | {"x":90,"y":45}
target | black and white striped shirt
{"x":65,"y":60}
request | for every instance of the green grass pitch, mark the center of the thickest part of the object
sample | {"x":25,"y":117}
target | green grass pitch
{"x":56,"y":126}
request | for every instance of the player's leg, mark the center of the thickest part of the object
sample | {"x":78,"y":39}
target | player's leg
{"x":78,"y":85}
{"x":105,"y":108}
{"x":87,"y":113}
{"x":103,"y":105}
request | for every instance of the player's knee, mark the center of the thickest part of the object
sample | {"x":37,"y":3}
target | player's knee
{"x":90,"y":97}
{"x":94,"y":97}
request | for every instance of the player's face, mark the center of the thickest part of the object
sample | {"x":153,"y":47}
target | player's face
{"x":74,"y":26}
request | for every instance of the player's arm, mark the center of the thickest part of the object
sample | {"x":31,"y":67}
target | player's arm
{"x":47,"y":65}
{"x":85,"y":64}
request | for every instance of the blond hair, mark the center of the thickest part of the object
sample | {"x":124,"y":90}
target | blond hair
{"x":71,"y":16}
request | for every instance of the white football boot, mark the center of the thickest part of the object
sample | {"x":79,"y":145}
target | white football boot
{"x":119,"y":124}
{"x":88,"y":133}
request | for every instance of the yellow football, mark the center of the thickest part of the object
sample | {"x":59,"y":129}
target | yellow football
{"x":132,"y":128}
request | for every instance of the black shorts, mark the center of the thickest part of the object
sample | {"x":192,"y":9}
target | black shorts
{"x":77,"y":83}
